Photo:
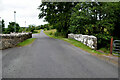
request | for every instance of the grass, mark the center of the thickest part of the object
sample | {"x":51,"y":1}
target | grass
{"x":51,"y":33}
{"x":105,"y":50}
{"x":26,"y":42}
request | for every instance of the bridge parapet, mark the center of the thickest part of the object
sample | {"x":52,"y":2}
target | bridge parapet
{"x":12,"y":39}
{"x":88,"y":40}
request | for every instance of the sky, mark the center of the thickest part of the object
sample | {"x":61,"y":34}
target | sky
{"x":26,"y":10}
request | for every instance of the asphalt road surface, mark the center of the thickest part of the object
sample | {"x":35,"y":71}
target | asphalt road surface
{"x":53,"y":58}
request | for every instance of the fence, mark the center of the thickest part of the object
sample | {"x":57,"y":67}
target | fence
{"x":116,"y":47}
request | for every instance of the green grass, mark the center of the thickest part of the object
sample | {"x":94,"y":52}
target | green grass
{"x":26,"y":42}
{"x":76,"y":43}
{"x":105,"y":50}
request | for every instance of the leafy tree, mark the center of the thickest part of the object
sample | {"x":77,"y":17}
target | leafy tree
{"x":22,"y":29}
{"x":31,"y":28}
{"x":3,"y":26}
{"x":79,"y":19}
{"x":99,"y":19}
{"x":116,"y":8}
{"x":38,"y":27}
{"x":57,"y":14}
{"x":11,"y":27}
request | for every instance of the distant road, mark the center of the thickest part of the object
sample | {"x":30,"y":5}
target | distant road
{"x":53,"y":58}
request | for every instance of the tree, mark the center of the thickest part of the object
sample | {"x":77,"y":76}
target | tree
{"x":11,"y":27}
{"x":3,"y":26}
{"x":116,"y":8}
{"x":31,"y":28}
{"x":79,"y":19}
{"x":57,"y":14}
{"x":100,"y":20}
{"x":38,"y":27}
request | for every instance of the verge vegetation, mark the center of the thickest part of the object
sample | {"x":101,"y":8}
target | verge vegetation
{"x":26,"y":42}
{"x":36,"y":31}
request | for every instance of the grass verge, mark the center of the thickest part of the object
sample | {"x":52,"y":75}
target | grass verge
{"x":51,"y":33}
{"x":26,"y":42}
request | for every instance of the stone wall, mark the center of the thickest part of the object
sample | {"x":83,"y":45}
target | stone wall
{"x":90,"y":41}
{"x":11,"y":40}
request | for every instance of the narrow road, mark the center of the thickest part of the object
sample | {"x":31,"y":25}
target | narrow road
{"x":53,"y":58}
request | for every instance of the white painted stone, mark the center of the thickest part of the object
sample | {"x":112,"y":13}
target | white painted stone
{"x":90,"y":41}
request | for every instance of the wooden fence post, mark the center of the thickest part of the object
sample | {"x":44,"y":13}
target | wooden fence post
{"x":111,"y":45}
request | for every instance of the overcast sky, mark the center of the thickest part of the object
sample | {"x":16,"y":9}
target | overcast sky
{"x":26,"y":10}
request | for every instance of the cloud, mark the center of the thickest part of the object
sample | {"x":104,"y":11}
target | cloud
{"x":26,"y":10}
{"x":1,"y":5}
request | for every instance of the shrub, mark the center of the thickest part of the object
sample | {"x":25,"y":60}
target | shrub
{"x":34,"y":32}
{"x":51,"y":33}
{"x":103,"y":40}
{"x":62,"y":34}
{"x":45,"y":29}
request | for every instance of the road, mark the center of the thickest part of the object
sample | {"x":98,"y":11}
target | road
{"x":53,"y":58}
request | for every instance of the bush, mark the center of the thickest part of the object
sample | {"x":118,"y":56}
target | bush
{"x":51,"y":33}
{"x":103,"y":40}
{"x":45,"y":29}
{"x":60,"y":34}
{"x":34,"y":32}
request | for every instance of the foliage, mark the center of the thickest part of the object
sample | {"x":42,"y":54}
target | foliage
{"x":46,"y":26}
{"x":22,"y":29}
{"x":3,"y":26}
{"x":11,"y":27}
{"x":57,"y":14}
{"x":31,"y":28}
{"x":38,"y":27}
{"x":37,"y":31}
{"x":100,"y":20}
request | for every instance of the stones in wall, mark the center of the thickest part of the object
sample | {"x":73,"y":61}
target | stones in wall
{"x":90,"y":41}
{"x":11,"y":40}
